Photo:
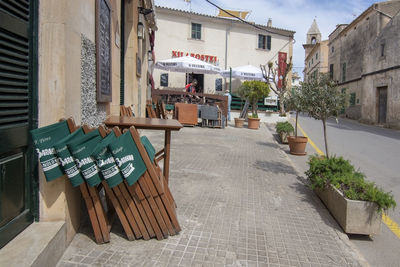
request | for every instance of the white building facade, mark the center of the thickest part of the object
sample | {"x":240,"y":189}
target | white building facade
{"x":220,"y":41}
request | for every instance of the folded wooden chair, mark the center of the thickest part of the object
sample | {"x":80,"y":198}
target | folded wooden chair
{"x":160,"y":110}
{"x":125,"y":111}
{"x":157,"y":186}
{"x":125,"y":208}
{"x":100,"y":223}
{"x":150,"y":111}
{"x":146,"y":205}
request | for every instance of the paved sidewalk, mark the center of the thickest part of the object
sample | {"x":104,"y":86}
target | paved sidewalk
{"x":240,"y":203}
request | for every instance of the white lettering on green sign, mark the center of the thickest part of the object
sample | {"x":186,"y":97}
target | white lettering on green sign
{"x":71,"y":172}
{"x":110,"y":172}
{"x":128,"y":170}
{"x":66,"y":161}
{"x":45,"y":152}
{"x":103,"y":162}
{"x":90,"y":172}
{"x":50,"y":164}
{"x":84,"y":161}
{"x":124,"y":160}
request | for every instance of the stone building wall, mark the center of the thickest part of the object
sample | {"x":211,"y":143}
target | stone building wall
{"x":358,"y":46}
{"x":374,"y":62}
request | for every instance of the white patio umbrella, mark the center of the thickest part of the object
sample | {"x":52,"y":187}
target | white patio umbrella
{"x":247,"y":72}
{"x":187,"y":64}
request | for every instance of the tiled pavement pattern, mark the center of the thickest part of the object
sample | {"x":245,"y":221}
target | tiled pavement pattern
{"x":240,"y":203}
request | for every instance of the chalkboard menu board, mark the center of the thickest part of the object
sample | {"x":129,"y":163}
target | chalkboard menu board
{"x":164,"y":79}
{"x":218,"y":84}
{"x":103,"y":51}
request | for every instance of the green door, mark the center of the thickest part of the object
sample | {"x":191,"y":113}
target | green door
{"x":18,"y":109}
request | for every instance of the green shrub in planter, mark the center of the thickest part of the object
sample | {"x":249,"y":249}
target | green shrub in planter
{"x":284,"y":127}
{"x":341,"y":174}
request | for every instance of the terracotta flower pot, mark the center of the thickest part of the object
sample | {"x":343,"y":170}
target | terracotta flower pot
{"x":297,"y":145}
{"x":239,"y":122}
{"x":253,"y":123}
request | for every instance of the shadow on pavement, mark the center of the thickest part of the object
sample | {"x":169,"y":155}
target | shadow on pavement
{"x":360,"y":237}
{"x":274,"y":167}
{"x":272,"y":145}
{"x":302,"y":186}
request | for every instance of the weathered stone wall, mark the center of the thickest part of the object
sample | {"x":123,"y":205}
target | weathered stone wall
{"x":359,"y":46}
{"x":93,"y":113}
{"x":374,"y":61}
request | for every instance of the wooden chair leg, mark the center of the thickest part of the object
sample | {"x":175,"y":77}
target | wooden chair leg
{"x":165,"y":183}
{"x":160,"y":204}
{"x":154,"y":207}
{"x":142,"y":205}
{"x":92,"y":214}
{"x":119,"y":211}
{"x":127,"y":212}
{"x":101,"y":215}
{"x":134,"y":210}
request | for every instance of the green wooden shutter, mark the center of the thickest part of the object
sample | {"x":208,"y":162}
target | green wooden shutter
{"x":17,"y":115}
{"x":269,"y":42}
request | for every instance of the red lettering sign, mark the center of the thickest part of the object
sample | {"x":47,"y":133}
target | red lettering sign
{"x":206,"y":58}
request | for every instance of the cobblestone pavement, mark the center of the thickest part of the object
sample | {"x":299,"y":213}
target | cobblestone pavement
{"x":240,"y":203}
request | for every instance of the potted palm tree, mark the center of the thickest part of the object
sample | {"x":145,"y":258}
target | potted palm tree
{"x":296,"y":102}
{"x":253,"y":91}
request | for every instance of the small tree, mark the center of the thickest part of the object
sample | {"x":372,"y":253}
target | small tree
{"x":296,"y":102}
{"x":271,"y":76}
{"x":253,"y":91}
{"x":323,"y":100}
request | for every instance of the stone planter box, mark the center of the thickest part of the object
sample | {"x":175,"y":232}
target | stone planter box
{"x":355,"y":217}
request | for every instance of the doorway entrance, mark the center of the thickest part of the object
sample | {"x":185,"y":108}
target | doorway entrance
{"x":18,"y":115}
{"x":200,"y":81}
{"x":382,"y":104}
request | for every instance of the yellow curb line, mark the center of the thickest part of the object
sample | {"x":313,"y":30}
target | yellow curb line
{"x":392,"y":225}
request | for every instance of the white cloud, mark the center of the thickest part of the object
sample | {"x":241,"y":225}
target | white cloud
{"x":296,"y":15}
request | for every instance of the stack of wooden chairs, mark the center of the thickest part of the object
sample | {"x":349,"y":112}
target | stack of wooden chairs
{"x":145,"y":206}
{"x":126,"y":111}
{"x":159,"y":111}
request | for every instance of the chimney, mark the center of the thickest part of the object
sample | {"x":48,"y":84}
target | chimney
{"x":269,"y":23}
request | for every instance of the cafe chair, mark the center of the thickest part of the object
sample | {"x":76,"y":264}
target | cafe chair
{"x":126,"y":111}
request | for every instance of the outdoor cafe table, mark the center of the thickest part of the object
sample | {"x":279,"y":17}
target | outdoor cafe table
{"x":169,"y":125}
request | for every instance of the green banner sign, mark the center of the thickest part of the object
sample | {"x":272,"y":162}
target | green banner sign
{"x":44,"y":139}
{"x":81,"y":149}
{"x":151,"y":151}
{"x":128,"y":158}
{"x":66,"y":159}
{"x":106,"y":162}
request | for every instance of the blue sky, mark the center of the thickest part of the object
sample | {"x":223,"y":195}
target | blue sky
{"x":296,"y":15}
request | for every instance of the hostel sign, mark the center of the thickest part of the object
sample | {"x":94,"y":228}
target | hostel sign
{"x":206,"y":58}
